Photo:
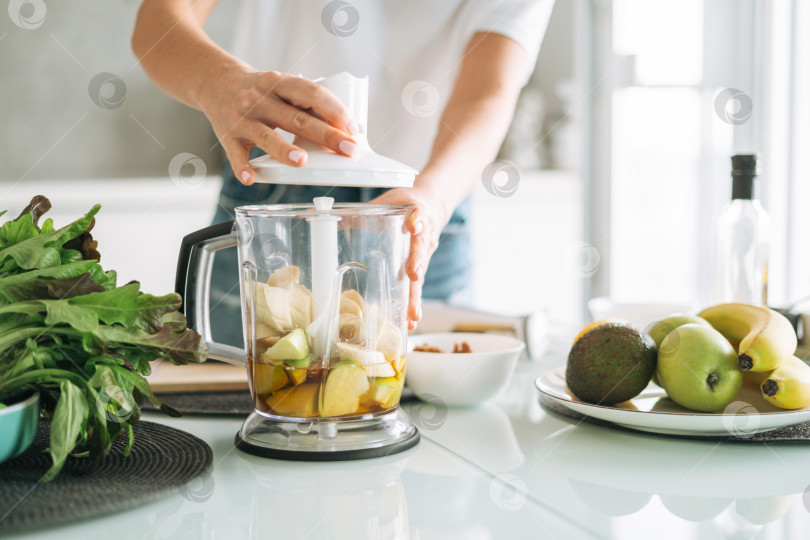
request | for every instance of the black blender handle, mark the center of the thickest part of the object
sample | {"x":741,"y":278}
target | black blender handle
{"x":187,"y":267}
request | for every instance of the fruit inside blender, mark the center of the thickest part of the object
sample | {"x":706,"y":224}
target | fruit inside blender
{"x":366,"y":368}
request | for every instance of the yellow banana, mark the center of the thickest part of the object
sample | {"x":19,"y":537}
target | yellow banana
{"x":788,"y":386}
{"x":764,"y":338}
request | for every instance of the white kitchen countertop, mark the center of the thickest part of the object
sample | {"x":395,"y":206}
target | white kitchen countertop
{"x":506,"y":469}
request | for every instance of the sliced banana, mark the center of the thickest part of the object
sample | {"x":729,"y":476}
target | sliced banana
{"x":373,"y":362}
{"x":264,"y":331}
{"x":351,"y":328}
{"x":284,"y":277}
{"x":389,"y":341}
{"x":273,"y":308}
{"x":349,"y":306}
{"x":353,"y":296}
{"x":300,"y":305}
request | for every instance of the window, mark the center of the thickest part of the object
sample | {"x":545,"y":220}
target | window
{"x":684,"y":85}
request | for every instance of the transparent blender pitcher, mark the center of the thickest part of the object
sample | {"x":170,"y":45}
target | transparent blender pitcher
{"x":324,"y":310}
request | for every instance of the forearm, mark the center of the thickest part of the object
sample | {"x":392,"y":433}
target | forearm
{"x":475,"y":120}
{"x":174,"y":50}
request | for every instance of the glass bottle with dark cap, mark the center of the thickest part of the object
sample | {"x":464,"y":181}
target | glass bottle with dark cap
{"x":742,"y":239}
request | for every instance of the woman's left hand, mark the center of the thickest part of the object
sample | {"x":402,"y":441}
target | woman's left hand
{"x":425,"y":225}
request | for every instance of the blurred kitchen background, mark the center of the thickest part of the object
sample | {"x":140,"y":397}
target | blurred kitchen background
{"x":621,"y":141}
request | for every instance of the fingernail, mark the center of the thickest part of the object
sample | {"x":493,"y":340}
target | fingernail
{"x":417,"y":227}
{"x":419,"y":313}
{"x":418,"y":270}
{"x":348,"y":148}
{"x":245,"y":176}
{"x":352,"y":127}
{"x":295,"y":156}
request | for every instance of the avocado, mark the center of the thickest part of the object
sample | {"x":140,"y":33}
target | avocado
{"x":611,"y":363}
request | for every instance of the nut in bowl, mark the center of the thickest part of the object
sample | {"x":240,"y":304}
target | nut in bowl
{"x":461,"y":378}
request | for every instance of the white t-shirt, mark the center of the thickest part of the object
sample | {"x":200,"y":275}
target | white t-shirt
{"x":411,"y":50}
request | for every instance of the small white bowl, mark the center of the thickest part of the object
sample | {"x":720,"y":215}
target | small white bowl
{"x":459,"y":379}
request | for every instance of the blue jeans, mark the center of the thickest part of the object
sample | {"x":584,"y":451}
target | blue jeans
{"x":448,"y":276}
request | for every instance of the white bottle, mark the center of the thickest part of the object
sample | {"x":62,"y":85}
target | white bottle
{"x":741,"y":240}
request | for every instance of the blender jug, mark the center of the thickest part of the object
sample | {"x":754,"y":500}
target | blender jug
{"x":324,"y":298}
{"x":324,"y":309}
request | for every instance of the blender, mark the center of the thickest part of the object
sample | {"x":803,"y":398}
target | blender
{"x":324,"y":298}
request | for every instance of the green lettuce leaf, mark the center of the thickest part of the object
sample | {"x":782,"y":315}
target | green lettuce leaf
{"x":68,"y":418}
{"x":44,"y":250}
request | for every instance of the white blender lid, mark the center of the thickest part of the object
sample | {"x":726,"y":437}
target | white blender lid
{"x":326,"y":168}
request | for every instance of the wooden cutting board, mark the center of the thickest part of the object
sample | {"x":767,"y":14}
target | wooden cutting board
{"x":210,"y":376}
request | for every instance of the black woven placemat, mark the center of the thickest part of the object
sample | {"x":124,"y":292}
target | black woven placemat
{"x":162,"y":459}
{"x":236,"y":403}
{"x":796,"y":434}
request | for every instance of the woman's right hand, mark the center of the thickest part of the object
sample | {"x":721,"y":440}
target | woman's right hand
{"x":245,"y":107}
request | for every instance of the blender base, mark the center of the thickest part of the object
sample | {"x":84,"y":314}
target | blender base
{"x":327,"y":441}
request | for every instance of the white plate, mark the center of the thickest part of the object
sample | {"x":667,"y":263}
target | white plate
{"x":653,"y":411}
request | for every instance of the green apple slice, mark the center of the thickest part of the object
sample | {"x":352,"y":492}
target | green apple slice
{"x":345,"y":384}
{"x":298,"y":401}
{"x":385,"y":391}
{"x":268,"y":378}
{"x":297,"y":375}
{"x":292,"y":347}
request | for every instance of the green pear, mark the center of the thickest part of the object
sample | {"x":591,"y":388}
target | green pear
{"x":661,"y":329}
{"x":697,"y":367}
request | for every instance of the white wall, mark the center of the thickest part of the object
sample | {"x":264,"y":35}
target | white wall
{"x":141,"y":223}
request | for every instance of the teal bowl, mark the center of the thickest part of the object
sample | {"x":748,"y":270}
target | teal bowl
{"x":18,"y":427}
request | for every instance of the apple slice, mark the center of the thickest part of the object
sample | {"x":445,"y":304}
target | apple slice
{"x":262,"y":344}
{"x":297,"y":401}
{"x":284,"y":277}
{"x":385,"y":391}
{"x":345,"y":384}
{"x":292,"y":347}
{"x":297,"y":375}
{"x":373,"y":362}
{"x":268,"y":378}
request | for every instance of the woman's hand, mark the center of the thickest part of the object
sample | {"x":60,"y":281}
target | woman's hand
{"x":244,"y":108}
{"x":425,"y":225}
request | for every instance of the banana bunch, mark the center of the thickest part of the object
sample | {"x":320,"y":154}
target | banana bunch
{"x":787,"y":386}
{"x":765,"y":342}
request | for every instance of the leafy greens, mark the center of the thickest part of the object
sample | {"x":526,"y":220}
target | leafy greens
{"x":69,"y":332}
